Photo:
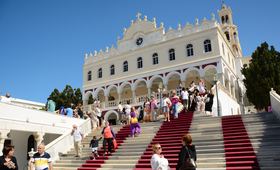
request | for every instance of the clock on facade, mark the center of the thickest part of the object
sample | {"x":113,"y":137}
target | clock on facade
{"x":139,"y":41}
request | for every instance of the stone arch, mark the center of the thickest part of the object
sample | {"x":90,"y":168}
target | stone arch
{"x":192,"y":74}
{"x":134,"y":85}
{"x":141,"y":90}
{"x":31,"y":144}
{"x":123,"y":85}
{"x":87,"y":94}
{"x":173,"y":83}
{"x":110,"y":88}
{"x":150,"y":82}
{"x":111,"y":114}
{"x":209,"y":72}
{"x":126,"y":93}
{"x":97,"y":91}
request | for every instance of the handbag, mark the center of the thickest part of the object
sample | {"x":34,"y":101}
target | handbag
{"x":189,"y":162}
{"x":115,"y":143}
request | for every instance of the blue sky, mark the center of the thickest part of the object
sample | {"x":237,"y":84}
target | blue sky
{"x":42,"y":42}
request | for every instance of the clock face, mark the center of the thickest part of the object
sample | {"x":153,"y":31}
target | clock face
{"x":139,"y":41}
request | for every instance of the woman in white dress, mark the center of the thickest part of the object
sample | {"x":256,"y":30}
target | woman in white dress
{"x":158,"y":162}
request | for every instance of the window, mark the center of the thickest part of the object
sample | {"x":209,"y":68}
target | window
{"x":125,"y":66}
{"x":139,"y":62}
{"x":89,"y":76}
{"x":223,"y":19}
{"x":189,"y":50}
{"x":227,"y":35}
{"x":171,"y":54}
{"x":207,"y":46}
{"x":155,"y":58}
{"x":226,"y":18}
{"x":112,"y":70}
{"x":100,"y":73}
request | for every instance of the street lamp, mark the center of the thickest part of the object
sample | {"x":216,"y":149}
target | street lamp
{"x":218,"y":105}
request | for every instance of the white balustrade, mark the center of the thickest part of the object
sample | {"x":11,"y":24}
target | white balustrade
{"x":275,"y":103}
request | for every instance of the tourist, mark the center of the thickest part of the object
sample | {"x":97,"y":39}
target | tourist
{"x":187,"y":151}
{"x":135,"y":128}
{"x":94,"y":143}
{"x":50,"y":105}
{"x":127,"y":108}
{"x":154,"y":108}
{"x":175,"y":101}
{"x":108,"y":136}
{"x":158,"y":162}
{"x":98,"y":113}
{"x":166,"y":104}
{"x":209,"y":103}
{"x":7,"y":160}
{"x":185,"y":97}
{"x":78,"y":137}
{"x":147,"y":110}
{"x":41,"y":160}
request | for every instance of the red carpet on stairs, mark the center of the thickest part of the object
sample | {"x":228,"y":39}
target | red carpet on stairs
{"x":122,"y":134}
{"x":239,"y":152}
{"x":169,"y":136}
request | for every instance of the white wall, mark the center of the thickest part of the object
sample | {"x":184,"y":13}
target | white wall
{"x":228,"y":105}
{"x":275,"y":103}
{"x":19,"y":118}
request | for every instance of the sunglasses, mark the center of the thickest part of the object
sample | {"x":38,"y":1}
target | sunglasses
{"x":158,"y":147}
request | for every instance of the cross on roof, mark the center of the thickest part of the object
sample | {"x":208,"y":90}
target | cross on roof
{"x":138,"y":15}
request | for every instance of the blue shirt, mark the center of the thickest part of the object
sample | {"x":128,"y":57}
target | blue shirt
{"x":69,"y":112}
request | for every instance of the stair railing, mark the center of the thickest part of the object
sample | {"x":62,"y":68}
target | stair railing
{"x":275,"y":102}
{"x":65,"y":142}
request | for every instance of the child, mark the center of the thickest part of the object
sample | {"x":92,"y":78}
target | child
{"x":94,"y":147}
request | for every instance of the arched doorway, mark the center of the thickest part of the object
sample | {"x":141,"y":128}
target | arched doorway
{"x":31,"y":143}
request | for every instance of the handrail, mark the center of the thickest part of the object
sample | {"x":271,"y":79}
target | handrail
{"x":63,"y":143}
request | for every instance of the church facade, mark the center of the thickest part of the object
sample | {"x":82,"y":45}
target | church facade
{"x":149,"y":58}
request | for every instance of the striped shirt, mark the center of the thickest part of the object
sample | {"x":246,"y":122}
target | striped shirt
{"x":41,"y":161}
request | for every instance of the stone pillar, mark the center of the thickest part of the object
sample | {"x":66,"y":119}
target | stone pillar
{"x":106,"y":101}
{"x":3,"y":137}
{"x":39,"y":137}
{"x":119,"y":98}
{"x":149,"y":92}
{"x":133,"y":97}
{"x":165,"y":86}
{"x":183,"y":84}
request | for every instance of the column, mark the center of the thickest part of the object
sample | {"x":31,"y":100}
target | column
{"x":119,"y":98}
{"x":133,"y":97}
{"x":106,"y":101}
{"x":39,"y":137}
{"x":183,"y":83}
{"x":149,"y":92}
{"x":3,"y":137}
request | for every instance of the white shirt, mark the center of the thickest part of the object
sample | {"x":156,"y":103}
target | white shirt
{"x":185,"y":95}
{"x":98,"y":112}
{"x":127,"y":109}
{"x":159,"y":163}
{"x":77,"y":135}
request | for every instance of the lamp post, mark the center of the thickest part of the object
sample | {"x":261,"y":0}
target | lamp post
{"x":218,"y":105}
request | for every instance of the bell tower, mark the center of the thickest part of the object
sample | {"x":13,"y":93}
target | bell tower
{"x":229,"y":29}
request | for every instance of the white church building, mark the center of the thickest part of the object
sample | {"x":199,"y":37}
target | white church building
{"x":149,"y":56}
